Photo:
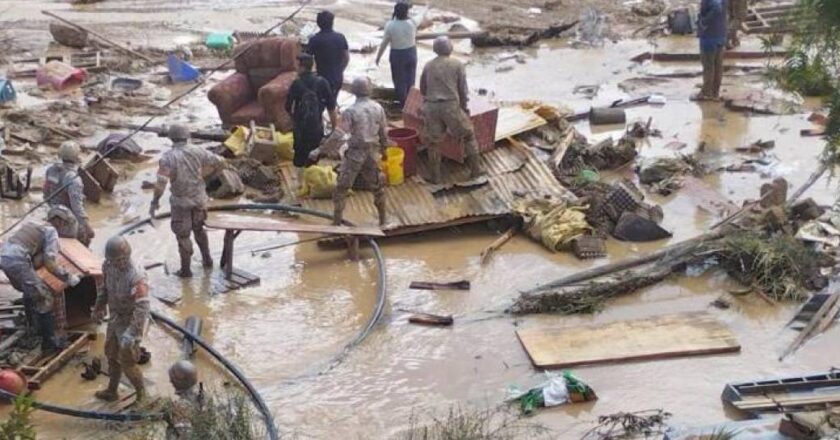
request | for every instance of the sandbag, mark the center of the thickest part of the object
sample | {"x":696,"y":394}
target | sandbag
{"x":319,"y":182}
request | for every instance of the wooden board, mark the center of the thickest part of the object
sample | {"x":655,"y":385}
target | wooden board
{"x":82,"y":257}
{"x":278,"y":226}
{"x":657,"y":338}
{"x":515,"y":120}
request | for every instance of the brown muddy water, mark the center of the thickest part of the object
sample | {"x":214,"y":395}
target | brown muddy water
{"x":311,"y":302}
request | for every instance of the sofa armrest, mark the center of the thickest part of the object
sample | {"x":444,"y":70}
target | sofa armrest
{"x":231,"y":94}
{"x":272,"y":98}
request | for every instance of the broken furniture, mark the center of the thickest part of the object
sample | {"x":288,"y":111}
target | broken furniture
{"x":662,"y":337}
{"x":98,"y":176}
{"x":265,"y":70}
{"x":817,"y":391}
{"x":483,"y":115}
{"x":91,"y":61}
{"x":41,"y":367}
{"x":12,"y":186}
{"x":770,"y":19}
{"x":73,"y":304}
{"x":233,"y":227}
{"x":261,"y":144}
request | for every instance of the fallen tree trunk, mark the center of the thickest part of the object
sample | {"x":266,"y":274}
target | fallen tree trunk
{"x":695,"y":56}
{"x":673,"y":251}
{"x":590,"y":297}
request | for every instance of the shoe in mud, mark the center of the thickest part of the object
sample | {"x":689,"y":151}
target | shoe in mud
{"x":106,"y":395}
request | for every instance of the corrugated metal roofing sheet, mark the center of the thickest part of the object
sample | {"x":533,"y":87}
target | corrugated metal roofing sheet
{"x":513,"y":172}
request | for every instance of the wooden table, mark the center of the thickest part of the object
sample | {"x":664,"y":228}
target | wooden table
{"x":234,"y":227}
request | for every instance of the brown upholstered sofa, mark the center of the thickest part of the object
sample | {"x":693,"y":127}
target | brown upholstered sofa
{"x":258,"y":89}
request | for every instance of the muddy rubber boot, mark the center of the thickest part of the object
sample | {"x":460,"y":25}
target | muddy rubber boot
{"x":110,"y":394}
{"x":204,"y":248}
{"x":474,"y":164}
{"x":30,"y":315}
{"x":434,"y":166}
{"x":136,"y":378}
{"x":46,"y":327}
{"x":185,"y":252}
{"x":380,"y":208}
{"x":338,"y":213}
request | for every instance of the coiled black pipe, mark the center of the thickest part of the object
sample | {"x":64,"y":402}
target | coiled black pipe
{"x":95,"y":415}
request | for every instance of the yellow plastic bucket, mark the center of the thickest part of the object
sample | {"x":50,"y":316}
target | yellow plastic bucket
{"x":392,"y":166}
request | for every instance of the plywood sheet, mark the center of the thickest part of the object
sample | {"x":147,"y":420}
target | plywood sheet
{"x":278,"y":226}
{"x":656,"y":338}
{"x":82,"y":257}
{"x":515,"y":120}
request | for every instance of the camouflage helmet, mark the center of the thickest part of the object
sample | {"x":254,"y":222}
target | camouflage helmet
{"x":117,"y":248}
{"x":178,"y":133}
{"x":361,"y":86}
{"x":63,"y":220}
{"x":69,"y":152}
{"x":183,"y":375}
{"x":442,"y":46}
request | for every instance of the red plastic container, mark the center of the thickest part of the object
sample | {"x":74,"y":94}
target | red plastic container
{"x":407,"y":139}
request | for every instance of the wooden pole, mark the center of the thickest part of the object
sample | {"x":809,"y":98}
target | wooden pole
{"x":498,"y":243}
{"x":99,"y":36}
{"x":451,"y":35}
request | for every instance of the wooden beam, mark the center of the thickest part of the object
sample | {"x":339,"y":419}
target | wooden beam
{"x":451,"y":35}
{"x":827,"y":311}
{"x":59,"y":360}
{"x":784,"y":403}
{"x":279,"y":226}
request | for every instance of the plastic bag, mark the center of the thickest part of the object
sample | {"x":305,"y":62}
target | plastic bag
{"x":319,"y":182}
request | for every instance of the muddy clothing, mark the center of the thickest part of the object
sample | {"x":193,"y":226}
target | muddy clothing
{"x":308,"y":97}
{"x":184,"y":166}
{"x":187,"y":220}
{"x":72,"y":197}
{"x":16,"y":259}
{"x":126,"y":295}
{"x":366,"y":123}
{"x":737,"y":12}
{"x":444,"y":79}
{"x":180,"y":415}
{"x":712,"y":72}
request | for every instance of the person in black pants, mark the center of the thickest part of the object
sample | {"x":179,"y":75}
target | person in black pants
{"x":308,"y":97}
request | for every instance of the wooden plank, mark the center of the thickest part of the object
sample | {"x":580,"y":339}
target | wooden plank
{"x":60,"y":359}
{"x":279,"y":226}
{"x":82,"y":257}
{"x":657,"y":338}
{"x":516,"y":120}
{"x":829,"y":307}
{"x":786,"y":402}
{"x":676,"y":57}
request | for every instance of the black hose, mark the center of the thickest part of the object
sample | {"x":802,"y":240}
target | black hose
{"x":258,"y":400}
{"x":95,"y":415}
{"x":334,"y":360}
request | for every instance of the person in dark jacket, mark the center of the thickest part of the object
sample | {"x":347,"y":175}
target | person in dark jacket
{"x":308,"y":97}
{"x":711,"y":30}
{"x":331,"y":52}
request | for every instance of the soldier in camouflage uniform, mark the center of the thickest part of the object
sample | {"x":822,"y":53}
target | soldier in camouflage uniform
{"x":63,"y":187}
{"x":19,"y":259}
{"x":125,"y":293}
{"x":445,"y":93}
{"x":366,"y":124}
{"x":185,"y":166}
{"x":183,"y":376}
{"x":737,"y":14}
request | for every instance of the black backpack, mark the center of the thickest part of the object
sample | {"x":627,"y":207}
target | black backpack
{"x":308,"y":108}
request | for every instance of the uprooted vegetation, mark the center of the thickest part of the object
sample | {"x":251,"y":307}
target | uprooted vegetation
{"x":780,"y":266}
{"x":627,"y":425}
{"x":462,"y":424}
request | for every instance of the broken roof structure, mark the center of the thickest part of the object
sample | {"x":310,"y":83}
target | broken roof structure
{"x":512,"y":171}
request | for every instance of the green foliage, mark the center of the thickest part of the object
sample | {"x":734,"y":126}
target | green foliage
{"x":458,"y":424}
{"x":778,"y":265}
{"x":804,"y":74}
{"x":19,"y":425}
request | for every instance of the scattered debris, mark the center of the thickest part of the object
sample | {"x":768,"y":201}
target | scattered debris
{"x":625,"y":425}
{"x":757,"y":147}
{"x":502,"y":36}
{"x":429,"y":319}
{"x":665,"y":175}
{"x":634,"y":227}
{"x":607,"y":116}
{"x":69,"y":35}
{"x":557,"y":390}
{"x":817,"y":391}
{"x":60,"y":76}
{"x":820,"y":321}
{"x":553,"y":223}
{"x":487,"y":253}
{"x":649,"y":8}
{"x":119,"y":146}
{"x":587,"y":247}
{"x":429,"y":285}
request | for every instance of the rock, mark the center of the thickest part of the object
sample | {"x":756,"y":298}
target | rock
{"x":636,"y":228}
{"x":806,"y":210}
{"x":68,"y":35}
{"x":775,"y":193}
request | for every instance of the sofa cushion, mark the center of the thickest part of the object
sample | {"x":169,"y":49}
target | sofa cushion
{"x":251,"y":111}
{"x":276,"y":52}
{"x":260,"y":76}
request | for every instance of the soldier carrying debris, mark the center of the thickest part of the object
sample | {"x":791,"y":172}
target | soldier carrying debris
{"x":367,"y":125}
{"x":125,"y":292}
{"x":63,"y":187}
{"x":18,"y":259}
{"x":444,"y":87}
{"x":185,"y":165}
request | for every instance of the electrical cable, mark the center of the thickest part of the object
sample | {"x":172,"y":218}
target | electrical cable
{"x":152,"y":118}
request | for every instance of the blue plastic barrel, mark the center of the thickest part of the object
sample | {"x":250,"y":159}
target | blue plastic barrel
{"x":180,"y":70}
{"x":7,"y":92}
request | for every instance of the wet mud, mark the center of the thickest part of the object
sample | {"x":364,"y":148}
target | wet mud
{"x":312,"y":301}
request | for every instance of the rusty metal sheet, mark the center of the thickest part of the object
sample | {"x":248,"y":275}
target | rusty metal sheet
{"x":513,"y":172}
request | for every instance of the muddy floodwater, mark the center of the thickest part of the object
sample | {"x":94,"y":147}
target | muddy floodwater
{"x":312,"y":301}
